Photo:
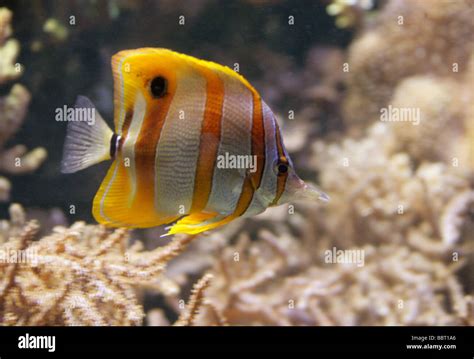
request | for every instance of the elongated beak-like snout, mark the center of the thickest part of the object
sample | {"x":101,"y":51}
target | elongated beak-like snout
{"x":297,"y":189}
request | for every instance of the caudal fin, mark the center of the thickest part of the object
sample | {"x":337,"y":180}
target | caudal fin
{"x":87,"y":140}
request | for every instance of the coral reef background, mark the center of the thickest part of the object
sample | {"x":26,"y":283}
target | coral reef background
{"x":402,"y":191}
{"x":13,"y":107}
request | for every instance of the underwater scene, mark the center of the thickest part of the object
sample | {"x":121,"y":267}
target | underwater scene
{"x":237,"y":163}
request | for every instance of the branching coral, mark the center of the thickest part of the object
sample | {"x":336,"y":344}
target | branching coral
{"x":82,"y":275}
{"x":13,"y":107}
{"x":395,"y":286}
{"x":380,"y":190}
{"x":196,"y":302}
{"x":456,"y":215}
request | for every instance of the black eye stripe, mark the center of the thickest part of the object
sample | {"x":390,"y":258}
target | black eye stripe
{"x":282,"y":168}
{"x":158,"y":87}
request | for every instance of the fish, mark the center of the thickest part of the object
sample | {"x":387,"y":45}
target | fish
{"x":194,"y":146}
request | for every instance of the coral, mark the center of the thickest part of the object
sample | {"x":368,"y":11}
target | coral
{"x":9,"y":48}
{"x":81,"y":275}
{"x":383,"y":189}
{"x":455,"y":215}
{"x":396,"y":285}
{"x":196,"y":302}
{"x":395,"y":47}
{"x":13,"y":108}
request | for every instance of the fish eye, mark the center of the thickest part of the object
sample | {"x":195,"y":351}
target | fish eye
{"x":281,"y":166}
{"x":158,"y":87}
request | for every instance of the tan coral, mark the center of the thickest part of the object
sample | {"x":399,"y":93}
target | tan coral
{"x":195,"y":303}
{"x":82,"y":275}
{"x":396,"y":285}
{"x":458,"y":209}
{"x":13,"y":108}
{"x":379,"y":189}
{"x":9,"y":48}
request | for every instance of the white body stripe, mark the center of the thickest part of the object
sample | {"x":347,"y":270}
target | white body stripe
{"x":128,"y":148}
{"x":128,"y":151}
{"x":118,"y":131}
{"x":177,"y":150}
{"x":236,"y":136}
{"x":106,"y":192}
{"x":266,"y":192}
{"x":121,"y":90}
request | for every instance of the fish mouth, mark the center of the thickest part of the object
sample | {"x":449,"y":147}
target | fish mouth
{"x":301,"y":190}
{"x":312,"y":192}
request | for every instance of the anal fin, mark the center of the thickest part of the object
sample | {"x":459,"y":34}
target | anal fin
{"x":198,"y":222}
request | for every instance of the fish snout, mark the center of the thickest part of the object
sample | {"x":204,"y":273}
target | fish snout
{"x":298,"y":190}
